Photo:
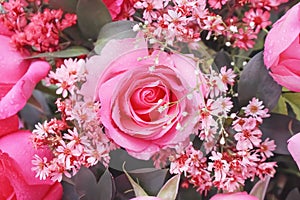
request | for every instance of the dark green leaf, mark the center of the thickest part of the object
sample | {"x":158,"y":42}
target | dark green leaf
{"x":256,"y":81}
{"x":67,"y":53}
{"x":150,"y":179}
{"x":86,"y":185}
{"x":280,"y":128}
{"x":119,"y":156}
{"x":293,"y":195}
{"x":69,"y":191}
{"x":114,"y":30}
{"x":124,"y":188}
{"x":67,"y":6}
{"x":222,"y":59}
{"x":106,"y":186}
{"x":91,"y":16}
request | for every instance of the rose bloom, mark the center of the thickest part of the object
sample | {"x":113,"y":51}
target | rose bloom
{"x":282,"y":50}
{"x":234,"y":196}
{"x":18,"y":78}
{"x":17,"y":180}
{"x":143,"y":96}
{"x":120,"y":9}
{"x":293,"y":147}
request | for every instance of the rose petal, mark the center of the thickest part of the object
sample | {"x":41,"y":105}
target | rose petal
{"x":20,"y":148}
{"x":112,"y":50}
{"x":17,"y":97}
{"x":291,"y":81}
{"x":9,"y":125}
{"x":14,"y":182}
{"x":234,"y":196}
{"x":12,"y":63}
{"x":281,"y":36}
{"x":293,"y":147}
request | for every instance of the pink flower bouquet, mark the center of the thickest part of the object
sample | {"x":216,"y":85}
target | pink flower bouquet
{"x":149,"y":99}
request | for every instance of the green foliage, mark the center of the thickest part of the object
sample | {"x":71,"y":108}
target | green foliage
{"x":114,"y":30}
{"x":92,"y":16}
{"x":70,"y":52}
{"x":255,"y":81}
{"x":280,"y":128}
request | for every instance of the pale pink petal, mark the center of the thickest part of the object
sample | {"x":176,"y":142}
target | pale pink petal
{"x":17,"y":97}
{"x":293,"y":147}
{"x":281,"y":36}
{"x":111,"y":51}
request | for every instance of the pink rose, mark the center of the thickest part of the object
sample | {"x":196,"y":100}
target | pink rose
{"x":293,"y":147}
{"x":234,"y":196}
{"x":18,"y":78}
{"x":120,"y":9}
{"x":282,"y":50}
{"x":17,"y":180}
{"x":146,"y":198}
{"x":133,"y":87}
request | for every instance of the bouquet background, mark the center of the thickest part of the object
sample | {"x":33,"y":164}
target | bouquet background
{"x":149,"y":99}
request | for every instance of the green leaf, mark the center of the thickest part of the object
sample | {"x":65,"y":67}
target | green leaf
{"x":88,"y":189}
{"x":280,"y":128}
{"x":281,"y":107}
{"x":114,"y":30}
{"x":293,"y":99}
{"x":106,"y":186}
{"x":170,"y":189}
{"x":138,"y":190}
{"x":260,"y":188}
{"x":92,"y":15}
{"x":150,"y":179}
{"x":67,"y":53}
{"x":255,"y":81}
{"x":67,"y":6}
{"x":119,"y":156}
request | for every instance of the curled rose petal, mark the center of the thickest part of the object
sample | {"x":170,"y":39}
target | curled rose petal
{"x":293,"y":147}
{"x":18,"y":95}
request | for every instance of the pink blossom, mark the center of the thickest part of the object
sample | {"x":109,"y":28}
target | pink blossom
{"x":17,"y":179}
{"x":293,"y":147}
{"x":282,"y":53}
{"x":234,"y":196}
{"x":143,"y":95}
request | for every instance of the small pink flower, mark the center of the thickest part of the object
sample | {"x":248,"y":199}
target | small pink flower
{"x":282,"y":52}
{"x":234,"y":196}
